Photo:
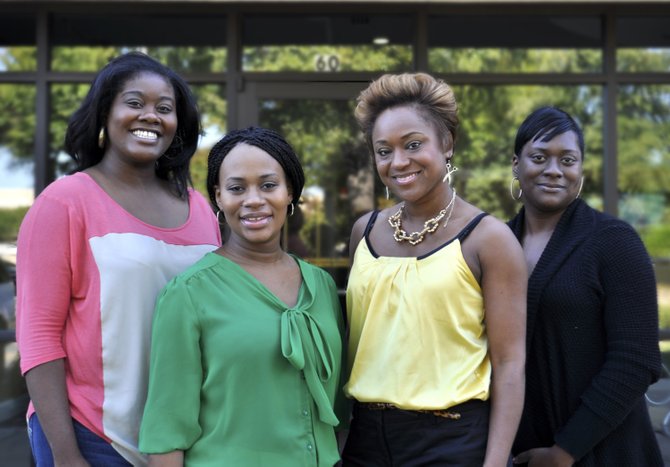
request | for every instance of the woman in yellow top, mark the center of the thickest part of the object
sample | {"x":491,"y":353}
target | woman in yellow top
{"x":436,"y":298}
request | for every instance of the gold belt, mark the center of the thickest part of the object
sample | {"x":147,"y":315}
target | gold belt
{"x":445,"y":413}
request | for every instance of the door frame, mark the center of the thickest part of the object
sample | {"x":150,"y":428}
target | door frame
{"x":254,"y":91}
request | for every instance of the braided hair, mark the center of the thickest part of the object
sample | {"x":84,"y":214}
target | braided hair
{"x":269,"y":141}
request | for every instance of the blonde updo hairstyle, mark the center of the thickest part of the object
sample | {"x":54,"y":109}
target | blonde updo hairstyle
{"x":432,"y":98}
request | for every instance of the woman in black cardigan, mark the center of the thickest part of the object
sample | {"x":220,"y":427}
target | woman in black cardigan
{"x":592,"y":340}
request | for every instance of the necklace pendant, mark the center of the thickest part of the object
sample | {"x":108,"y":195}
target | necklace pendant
{"x":415,"y":238}
{"x":399,"y":235}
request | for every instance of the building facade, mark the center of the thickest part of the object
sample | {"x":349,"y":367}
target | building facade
{"x":298,"y":67}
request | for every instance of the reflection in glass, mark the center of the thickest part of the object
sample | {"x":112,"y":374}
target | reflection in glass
{"x":213,"y":110}
{"x":186,"y":43}
{"x":643,"y":43}
{"x":18,"y":58}
{"x":520,"y":60}
{"x":180,"y":59}
{"x":644,"y":176}
{"x":327,"y":59}
{"x":17,"y":44}
{"x":515,"y":43}
{"x":327,"y":43}
{"x":489,"y":117}
{"x":65,"y":99}
{"x":339,"y":179}
{"x":473,"y":44}
{"x":643,"y":60}
{"x":17,"y":130}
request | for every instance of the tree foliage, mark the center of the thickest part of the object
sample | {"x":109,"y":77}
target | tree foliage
{"x":325,"y":135}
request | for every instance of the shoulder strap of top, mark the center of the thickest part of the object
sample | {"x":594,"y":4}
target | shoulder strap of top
{"x":371,"y":222}
{"x":463,"y":234}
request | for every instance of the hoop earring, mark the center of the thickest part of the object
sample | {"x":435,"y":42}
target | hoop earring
{"x":450,"y":170}
{"x":511,"y":189}
{"x":218,"y":219}
{"x":387,"y":193}
{"x":581,"y":185}
{"x":101,"y":138}
{"x":292,"y":209}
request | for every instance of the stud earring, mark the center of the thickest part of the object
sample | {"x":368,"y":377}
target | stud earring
{"x":511,"y":189}
{"x":101,"y":138}
{"x":450,"y":170}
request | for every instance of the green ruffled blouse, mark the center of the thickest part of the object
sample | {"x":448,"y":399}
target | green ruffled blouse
{"x":237,"y":377}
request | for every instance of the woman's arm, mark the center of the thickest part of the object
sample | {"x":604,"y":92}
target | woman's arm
{"x":46,"y":385}
{"x":504,"y":281}
{"x":620,"y":264}
{"x":169,"y":459}
{"x":44,"y":282}
{"x":171,"y":420}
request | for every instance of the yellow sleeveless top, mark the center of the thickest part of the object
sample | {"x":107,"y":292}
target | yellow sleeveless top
{"x":417,"y":337}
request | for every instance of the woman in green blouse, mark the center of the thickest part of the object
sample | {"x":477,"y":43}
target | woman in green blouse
{"x":247,"y":344}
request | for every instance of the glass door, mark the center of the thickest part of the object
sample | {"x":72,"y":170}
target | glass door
{"x":317,"y":120}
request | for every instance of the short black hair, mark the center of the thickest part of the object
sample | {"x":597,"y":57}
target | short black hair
{"x":263,"y":138}
{"x":81,"y":136}
{"x":545,"y":124}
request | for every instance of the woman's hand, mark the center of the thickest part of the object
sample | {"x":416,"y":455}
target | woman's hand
{"x":554,"y":456}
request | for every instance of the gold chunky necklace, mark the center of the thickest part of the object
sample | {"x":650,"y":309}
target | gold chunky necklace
{"x":399,"y":235}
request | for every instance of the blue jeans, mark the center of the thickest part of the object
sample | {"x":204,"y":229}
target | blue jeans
{"x":95,"y":450}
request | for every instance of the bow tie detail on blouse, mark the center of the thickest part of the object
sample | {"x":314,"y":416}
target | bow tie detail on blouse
{"x":305,"y":347}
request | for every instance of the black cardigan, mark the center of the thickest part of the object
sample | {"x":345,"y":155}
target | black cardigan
{"x":592,"y":342}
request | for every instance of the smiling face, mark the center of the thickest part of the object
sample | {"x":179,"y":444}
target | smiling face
{"x":410,"y":154}
{"x":142,"y":120}
{"x":254,"y":195}
{"x":550,"y":173}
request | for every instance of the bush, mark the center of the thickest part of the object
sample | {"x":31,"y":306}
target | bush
{"x":10,"y":220}
{"x":655,"y":238}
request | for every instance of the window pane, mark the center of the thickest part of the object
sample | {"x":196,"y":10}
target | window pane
{"x":339,"y":179}
{"x":87,"y":42}
{"x":644,"y":176}
{"x":180,"y":59}
{"x":17,"y":144}
{"x":489,"y":117}
{"x":327,"y":43}
{"x":17,"y":42}
{"x":643,"y":43}
{"x":213,"y":109}
{"x":18,"y":58}
{"x":17,"y":129}
{"x":471,"y":60}
{"x":65,"y":99}
{"x":642,"y":60}
{"x":514,"y":44}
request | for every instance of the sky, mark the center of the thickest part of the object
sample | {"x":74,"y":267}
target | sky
{"x":18,"y":176}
